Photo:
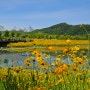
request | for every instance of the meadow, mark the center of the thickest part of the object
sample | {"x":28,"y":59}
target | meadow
{"x":39,"y":72}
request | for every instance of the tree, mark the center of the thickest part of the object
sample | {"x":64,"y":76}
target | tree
{"x":11,"y":34}
{"x":30,"y":29}
{"x":6,"y":33}
{"x":1,"y":28}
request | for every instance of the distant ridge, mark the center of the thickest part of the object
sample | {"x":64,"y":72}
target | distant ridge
{"x":64,"y":29}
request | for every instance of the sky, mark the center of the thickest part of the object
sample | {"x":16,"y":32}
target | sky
{"x":43,"y":13}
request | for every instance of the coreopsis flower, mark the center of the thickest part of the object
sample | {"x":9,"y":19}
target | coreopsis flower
{"x":47,"y":56}
{"x":35,"y":52}
{"x":38,"y":59}
{"x":58,"y":57}
{"x":65,"y":51}
{"x":27,"y":61}
{"x":43,"y":64}
{"x":79,"y":60}
{"x":84,"y":57}
{"x":68,"y":41}
{"x":74,"y":67}
{"x":62,"y":69}
{"x":75,"y":49}
{"x":50,"y":48}
{"x":39,"y":55}
{"x":14,"y":73}
{"x":42,"y":88}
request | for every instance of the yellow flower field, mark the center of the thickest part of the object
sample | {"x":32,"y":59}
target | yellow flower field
{"x":39,"y":72}
{"x":45,"y":42}
{"x":41,"y":44}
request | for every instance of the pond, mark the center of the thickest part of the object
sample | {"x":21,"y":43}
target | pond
{"x":8,"y":59}
{"x":17,"y":58}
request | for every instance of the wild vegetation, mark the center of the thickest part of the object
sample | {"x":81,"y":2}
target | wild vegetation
{"x":39,"y":72}
{"x":69,"y":70}
{"x":58,"y":31}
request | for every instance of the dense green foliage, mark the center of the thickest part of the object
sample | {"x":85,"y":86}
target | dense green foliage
{"x":64,"y":29}
{"x":58,"y":31}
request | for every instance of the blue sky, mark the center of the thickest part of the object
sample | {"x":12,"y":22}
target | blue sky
{"x":43,"y":13}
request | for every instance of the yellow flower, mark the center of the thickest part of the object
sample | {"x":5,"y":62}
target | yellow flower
{"x":39,"y":55}
{"x":58,"y":58}
{"x":65,"y":51}
{"x":35,"y":52}
{"x":75,"y":49}
{"x":59,"y":81}
{"x":61,"y":69}
{"x":38,"y":59}
{"x":27,"y":61}
{"x":43,"y":64}
{"x":14,"y":73}
{"x":79,"y":61}
{"x":50,"y":48}
{"x":68,"y":41}
{"x":42,"y":88}
{"x":84,"y":57}
{"x":39,"y":88}
{"x":47,"y":56}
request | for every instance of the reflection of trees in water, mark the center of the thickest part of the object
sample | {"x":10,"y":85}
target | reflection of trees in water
{"x":6,"y":61}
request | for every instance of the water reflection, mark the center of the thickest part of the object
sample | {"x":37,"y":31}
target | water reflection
{"x":9,"y":59}
{"x":17,"y":59}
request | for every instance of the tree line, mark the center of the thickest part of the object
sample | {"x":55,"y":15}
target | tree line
{"x":58,"y":31}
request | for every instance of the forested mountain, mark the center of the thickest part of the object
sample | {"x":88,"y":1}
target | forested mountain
{"x":65,"y":29}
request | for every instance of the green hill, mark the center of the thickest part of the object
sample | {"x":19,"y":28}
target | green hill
{"x":64,"y":29}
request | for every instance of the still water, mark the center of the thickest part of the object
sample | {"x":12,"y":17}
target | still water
{"x":7,"y":58}
{"x":16,"y":59}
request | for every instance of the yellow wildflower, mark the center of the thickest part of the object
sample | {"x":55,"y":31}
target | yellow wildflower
{"x":39,"y":88}
{"x":68,"y":41}
{"x":59,"y":81}
{"x":47,"y":56}
{"x":35,"y":52}
{"x":58,"y":58}
{"x":62,"y":69}
{"x":65,"y":51}
{"x":79,"y":61}
{"x":75,"y":49}
{"x":43,"y":64}
{"x":50,"y":48}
